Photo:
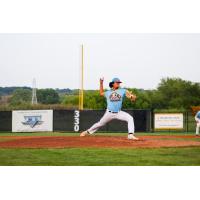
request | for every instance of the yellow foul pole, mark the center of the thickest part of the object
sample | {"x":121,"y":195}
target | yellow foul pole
{"x":81,"y":91}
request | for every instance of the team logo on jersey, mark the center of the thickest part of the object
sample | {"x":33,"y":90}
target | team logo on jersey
{"x":115,"y":97}
{"x":32,"y":121}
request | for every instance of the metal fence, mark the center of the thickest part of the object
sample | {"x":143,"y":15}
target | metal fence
{"x":190,"y":124}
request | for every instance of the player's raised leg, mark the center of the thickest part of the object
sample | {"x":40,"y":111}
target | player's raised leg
{"x":123,"y":116}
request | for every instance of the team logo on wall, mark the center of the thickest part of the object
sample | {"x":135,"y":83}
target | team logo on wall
{"x":115,"y":97}
{"x":32,"y":121}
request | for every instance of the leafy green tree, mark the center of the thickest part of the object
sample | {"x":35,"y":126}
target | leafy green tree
{"x":142,"y":101}
{"x":10,"y":90}
{"x":171,"y":93}
{"x":92,"y":100}
{"x":70,"y":100}
{"x":178,"y":93}
{"x":47,"y":96}
{"x":20,"y":96}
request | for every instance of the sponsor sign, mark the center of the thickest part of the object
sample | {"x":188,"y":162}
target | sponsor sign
{"x":32,"y":120}
{"x":166,"y":121}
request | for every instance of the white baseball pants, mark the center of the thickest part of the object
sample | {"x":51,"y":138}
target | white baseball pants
{"x":198,"y":125}
{"x":108,"y":116}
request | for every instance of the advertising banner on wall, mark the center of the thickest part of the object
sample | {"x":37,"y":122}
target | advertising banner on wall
{"x":32,"y":120}
{"x":167,"y":121}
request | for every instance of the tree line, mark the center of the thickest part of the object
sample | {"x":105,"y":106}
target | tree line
{"x":171,"y":93}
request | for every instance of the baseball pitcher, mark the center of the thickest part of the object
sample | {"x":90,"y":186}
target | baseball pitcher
{"x":114,"y":97}
{"x":197,"y":119}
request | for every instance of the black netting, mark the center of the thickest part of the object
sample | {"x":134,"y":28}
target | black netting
{"x":6,"y":121}
{"x":142,"y":120}
{"x":63,"y":120}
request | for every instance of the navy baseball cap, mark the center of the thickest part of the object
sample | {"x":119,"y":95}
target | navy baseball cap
{"x":116,"y":80}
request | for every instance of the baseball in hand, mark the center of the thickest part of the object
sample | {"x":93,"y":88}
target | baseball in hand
{"x":102,"y":79}
{"x":133,"y":97}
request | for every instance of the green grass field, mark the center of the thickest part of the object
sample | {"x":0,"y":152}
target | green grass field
{"x":182,"y":156}
{"x":100,"y":157}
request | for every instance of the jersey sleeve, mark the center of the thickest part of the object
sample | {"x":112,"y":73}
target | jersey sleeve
{"x":124,"y":92}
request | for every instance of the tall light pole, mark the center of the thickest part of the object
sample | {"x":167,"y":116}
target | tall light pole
{"x":34,"y":93}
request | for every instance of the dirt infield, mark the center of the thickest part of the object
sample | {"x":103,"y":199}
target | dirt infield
{"x":96,"y":141}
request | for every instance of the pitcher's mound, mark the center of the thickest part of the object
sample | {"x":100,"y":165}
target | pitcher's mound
{"x":97,"y":141}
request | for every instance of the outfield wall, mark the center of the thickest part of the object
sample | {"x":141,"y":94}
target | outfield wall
{"x":76,"y":121}
{"x":6,"y":121}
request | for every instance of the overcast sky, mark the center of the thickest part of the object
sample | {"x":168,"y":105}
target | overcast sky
{"x":139,"y":60}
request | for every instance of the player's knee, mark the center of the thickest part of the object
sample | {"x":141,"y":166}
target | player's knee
{"x":130,"y":118}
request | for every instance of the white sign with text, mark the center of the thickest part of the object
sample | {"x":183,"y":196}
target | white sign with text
{"x":168,"y":121}
{"x":32,"y":120}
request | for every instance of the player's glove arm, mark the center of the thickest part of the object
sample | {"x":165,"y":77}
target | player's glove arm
{"x":101,"y":90}
{"x":130,"y":95}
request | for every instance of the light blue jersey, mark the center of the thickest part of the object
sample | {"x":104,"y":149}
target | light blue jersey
{"x":114,"y":99}
{"x":198,"y":115}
